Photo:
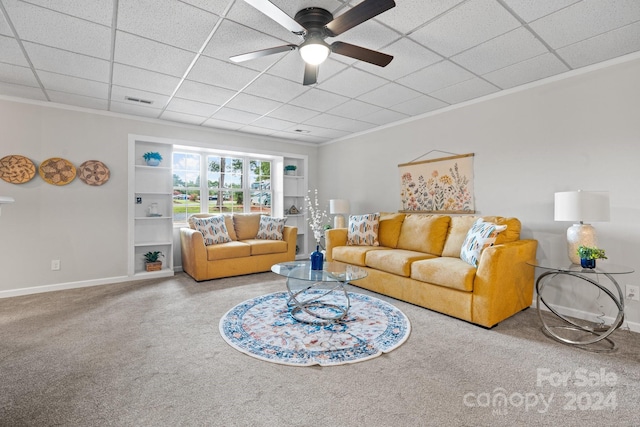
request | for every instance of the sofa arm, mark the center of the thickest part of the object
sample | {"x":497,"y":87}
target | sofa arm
{"x":504,"y":281}
{"x":290,"y":235}
{"x":334,"y":237}
{"x":194,"y":253}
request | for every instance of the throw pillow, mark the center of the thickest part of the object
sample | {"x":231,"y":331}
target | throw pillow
{"x":363,"y":230}
{"x":480,"y":235}
{"x":213,"y":229}
{"x":270,"y":228}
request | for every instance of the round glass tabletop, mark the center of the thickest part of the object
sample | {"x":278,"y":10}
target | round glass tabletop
{"x":602,"y":267}
{"x":331,"y":272}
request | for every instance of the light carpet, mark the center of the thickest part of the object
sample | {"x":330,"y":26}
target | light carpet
{"x":264,"y":328}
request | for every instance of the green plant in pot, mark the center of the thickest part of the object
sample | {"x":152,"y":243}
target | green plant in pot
{"x":589,"y":255}
{"x":152,"y":260}
{"x":153,"y":158}
{"x":290,"y":169}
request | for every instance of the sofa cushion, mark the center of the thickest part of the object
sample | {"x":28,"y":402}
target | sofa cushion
{"x":389,"y":228}
{"x":262,"y":247}
{"x":363,"y":230}
{"x":353,"y":254}
{"x":445,"y":271}
{"x":213,"y":229}
{"x":424,"y":233}
{"x":395,"y":261}
{"x":270,"y":228}
{"x":458,"y":229}
{"x":511,"y":234}
{"x":228,"y":222}
{"x":246,"y":225}
{"x":481,"y":235}
{"x":228,"y":250}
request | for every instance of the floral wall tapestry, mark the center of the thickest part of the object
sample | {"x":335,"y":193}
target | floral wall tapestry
{"x":443,"y":185}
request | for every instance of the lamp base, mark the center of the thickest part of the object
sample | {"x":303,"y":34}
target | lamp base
{"x":579,"y":235}
{"x":338,"y":222}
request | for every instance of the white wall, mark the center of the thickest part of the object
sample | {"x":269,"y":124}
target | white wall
{"x":84,"y":227}
{"x":581,"y":132}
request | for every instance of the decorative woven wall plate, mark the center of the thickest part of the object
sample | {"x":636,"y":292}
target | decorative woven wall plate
{"x":93,"y":172}
{"x":17,"y":169}
{"x":57,"y":171}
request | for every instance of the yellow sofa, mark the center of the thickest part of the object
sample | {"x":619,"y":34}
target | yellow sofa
{"x":243,"y":255}
{"x":418,"y":261}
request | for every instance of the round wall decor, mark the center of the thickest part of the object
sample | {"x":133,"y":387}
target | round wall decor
{"x":17,"y":169}
{"x":57,"y":171}
{"x":93,"y":172}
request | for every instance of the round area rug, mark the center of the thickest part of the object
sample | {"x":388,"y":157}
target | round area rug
{"x":262,"y":327}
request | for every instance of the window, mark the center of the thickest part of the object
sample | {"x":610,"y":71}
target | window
{"x":233,"y":183}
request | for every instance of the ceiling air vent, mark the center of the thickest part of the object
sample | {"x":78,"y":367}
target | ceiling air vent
{"x":302,"y":131}
{"x":141,"y":101}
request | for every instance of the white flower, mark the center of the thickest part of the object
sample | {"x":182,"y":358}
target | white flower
{"x":317,"y":218}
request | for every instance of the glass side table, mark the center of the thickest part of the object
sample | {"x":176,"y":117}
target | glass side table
{"x":589,"y":334}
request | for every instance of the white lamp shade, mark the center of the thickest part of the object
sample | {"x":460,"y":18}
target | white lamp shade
{"x":583,"y":206}
{"x":338,"y":206}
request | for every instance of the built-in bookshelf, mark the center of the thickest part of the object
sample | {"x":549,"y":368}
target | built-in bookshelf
{"x":294,"y":191}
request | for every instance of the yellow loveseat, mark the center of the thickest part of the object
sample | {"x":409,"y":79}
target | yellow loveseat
{"x":244,"y":254}
{"x":418,"y":261}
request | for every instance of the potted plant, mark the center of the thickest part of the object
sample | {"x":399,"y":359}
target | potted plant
{"x":290,"y":169}
{"x":152,"y":260}
{"x":153,"y":158}
{"x":589,"y":255}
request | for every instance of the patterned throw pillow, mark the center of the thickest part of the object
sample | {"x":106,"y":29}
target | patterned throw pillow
{"x":480,"y":235}
{"x":270,"y":228}
{"x":213,"y":229}
{"x":363,"y":230}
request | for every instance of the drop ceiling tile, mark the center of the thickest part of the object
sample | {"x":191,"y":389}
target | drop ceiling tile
{"x":291,"y":67}
{"x":77,"y":100}
{"x":318,"y":100}
{"x":502,"y":51}
{"x":466,"y":26}
{"x":221,"y":124}
{"x":272,"y":123}
{"x":182,"y":117}
{"x":605,"y":46}
{"x":410,"y":14}
{"x":467,"y":90}
{"x":301,"y":137}
{"x":276,"y":88}
{"x":5,"y":30}
{"x":134,"y":109}
{"x":119,"y":94}
{"x":354,"y":109}
{"x":533,"y":69}
{"x":586,"y":19}
{"x":256,"y":130}
{"x":15,"y":74}
{"x":220,"y":73}
{"x":175,"y":23}
{"x":408,"y":56}
{"x":213,"y":6}
{"x":235,"y":116}
{"x":11,"y":52}
{"x":352,"y":83}
{"x":63,"y":62}
{"x":247,"y":15}
{"x":124,"y":75}
{"x":292,"y":7}
{"x":204,"y":93}
{"x":73,"y":85}
{"x":531,"y":10}
{"x":416,"y":106}
{"x":369,"y":34}
{"x":99,"y":11}
{"x":27,"y":92}
{"x":293,"y":113}
{"x":383,"y":117}
{"x":252,"y":104}
{"x":195,"y":108}
{"x":143,"y":53}
{"x":331,"y":121}
{"x":389,"y":94}
{"x":34,"y":24}
{"x":435,"y":77}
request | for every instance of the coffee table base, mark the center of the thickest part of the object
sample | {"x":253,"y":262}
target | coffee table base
{"x":304,"y":301}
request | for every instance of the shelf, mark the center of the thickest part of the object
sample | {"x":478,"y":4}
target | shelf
{"x":158,"y":243}
{"x":151,"y":217}
{"x":160,"y":168}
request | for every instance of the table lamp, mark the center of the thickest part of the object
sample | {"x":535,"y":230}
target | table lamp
{"x":338,"y":207}
{"x":581,"y":206}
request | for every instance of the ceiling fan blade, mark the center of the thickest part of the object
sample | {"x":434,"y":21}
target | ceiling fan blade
{"x":363,"y":54}
{"x":261,"y":53}
{"x":273,"y":12}
{"x":357,"y":15}
{"x":310,"y":74}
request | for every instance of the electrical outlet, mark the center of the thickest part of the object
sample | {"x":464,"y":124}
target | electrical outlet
{"x":632,"y":292}
{"x":55,"y":264}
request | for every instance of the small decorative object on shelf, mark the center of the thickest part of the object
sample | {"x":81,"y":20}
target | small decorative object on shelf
{"x":153,"y":210}
{"x":293,"y":210}
{"x":589,"y":255}
{"x":153,"y":158}
{"x":290,"y":169}
{"x":317,"y":259}
{"x":152,"y":260}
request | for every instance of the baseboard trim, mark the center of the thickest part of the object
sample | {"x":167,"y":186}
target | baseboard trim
{"x":64,"y":286}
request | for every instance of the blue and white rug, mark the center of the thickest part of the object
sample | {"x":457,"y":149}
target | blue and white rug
{"x":263,"y":328}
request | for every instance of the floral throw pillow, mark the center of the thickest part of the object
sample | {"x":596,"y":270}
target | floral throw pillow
{"x":363,"y":230}
{"x":270,"y":228}
{"x":213,"y":229}
{"x":480,"y":235}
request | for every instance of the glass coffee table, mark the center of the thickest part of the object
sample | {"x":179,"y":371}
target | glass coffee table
{"x":318,"y":296}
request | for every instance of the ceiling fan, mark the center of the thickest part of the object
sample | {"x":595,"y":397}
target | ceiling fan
{"x":314,"y":24}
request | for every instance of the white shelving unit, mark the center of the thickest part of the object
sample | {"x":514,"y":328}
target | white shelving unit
{"x":294,"y":191}
{"x":147,"y":185}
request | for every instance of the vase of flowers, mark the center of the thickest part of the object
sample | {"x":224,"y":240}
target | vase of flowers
{"x":589,"y":255}
{"x":317,"y":219}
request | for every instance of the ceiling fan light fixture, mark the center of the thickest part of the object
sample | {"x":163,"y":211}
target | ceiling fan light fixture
{"x":314,"y":52}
